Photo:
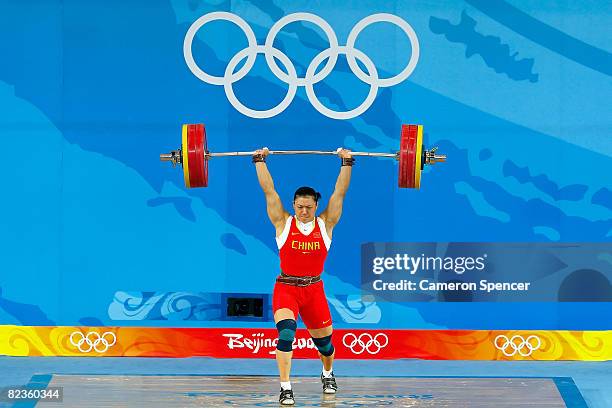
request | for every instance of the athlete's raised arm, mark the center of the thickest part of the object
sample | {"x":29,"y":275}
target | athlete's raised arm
{"x":277,"y":214}
{"x":332,"y":213}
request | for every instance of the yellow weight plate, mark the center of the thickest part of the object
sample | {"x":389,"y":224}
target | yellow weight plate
{"x":419,"y":153}
{"x":185,"y":155}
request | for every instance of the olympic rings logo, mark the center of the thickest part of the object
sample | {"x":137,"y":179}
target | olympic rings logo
{"x":517,"y":344}
{"x":93,"y":340}
{"x":365,"y":342}
{"x":311,"y":78}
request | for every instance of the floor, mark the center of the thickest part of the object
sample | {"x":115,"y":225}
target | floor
{"x":252,"y":382}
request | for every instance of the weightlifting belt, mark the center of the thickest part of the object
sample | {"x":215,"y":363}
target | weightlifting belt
{"x":297,"y":280}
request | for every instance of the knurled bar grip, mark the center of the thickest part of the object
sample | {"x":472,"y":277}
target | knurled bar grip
{"x":329,"y":153}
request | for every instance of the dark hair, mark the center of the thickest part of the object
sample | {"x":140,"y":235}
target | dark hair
{"x":307,"y":192}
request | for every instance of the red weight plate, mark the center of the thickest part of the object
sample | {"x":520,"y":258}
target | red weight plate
{"x":190,"y":155}
{"x":402,"y":182}
{"x":407,"y":156}
{"x":194,"y":166}
{"x":202,"y":131}
{"x":411,"y":163}
{"x":197,"y":135}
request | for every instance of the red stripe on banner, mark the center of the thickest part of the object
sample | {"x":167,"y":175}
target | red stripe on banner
{"x":349,"y":344}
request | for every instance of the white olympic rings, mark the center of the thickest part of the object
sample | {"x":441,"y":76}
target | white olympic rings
{"x":365,"y":342}
{"x":517,"y":344}
{"x":92,"y":340}
{"x":312,"y":77}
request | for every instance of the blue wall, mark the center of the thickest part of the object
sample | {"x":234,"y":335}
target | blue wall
{"x":95,"y":230}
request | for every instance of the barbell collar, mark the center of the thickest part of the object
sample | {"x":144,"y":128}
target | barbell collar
{"x":438,"y":158}
{"x":174,"y":156}
{"x":432,"y":158}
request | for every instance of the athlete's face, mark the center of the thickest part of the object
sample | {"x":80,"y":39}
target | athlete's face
{"x":305,"y":208}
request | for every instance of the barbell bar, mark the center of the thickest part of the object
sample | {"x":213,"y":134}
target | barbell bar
{"x":193,"y":155}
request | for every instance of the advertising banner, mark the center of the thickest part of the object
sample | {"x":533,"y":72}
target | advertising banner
{"x":349,"y":344}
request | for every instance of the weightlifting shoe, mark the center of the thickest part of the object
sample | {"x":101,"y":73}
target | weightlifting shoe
{"x":329,"y":384}
{"x":286,"y":397}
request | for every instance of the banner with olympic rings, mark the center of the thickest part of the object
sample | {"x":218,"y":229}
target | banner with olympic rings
{"x":349,"y":344}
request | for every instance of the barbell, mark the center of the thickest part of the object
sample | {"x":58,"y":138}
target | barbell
{"x":193,"y":155}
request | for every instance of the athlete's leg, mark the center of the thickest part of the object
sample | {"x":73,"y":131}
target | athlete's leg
{"x":286,"y":324}
{"x":322,"y":340}
{"x":317,"y":319}
{"x":286,"y":309}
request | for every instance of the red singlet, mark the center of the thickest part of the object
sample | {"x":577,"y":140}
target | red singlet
{"x":303,"y":255}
